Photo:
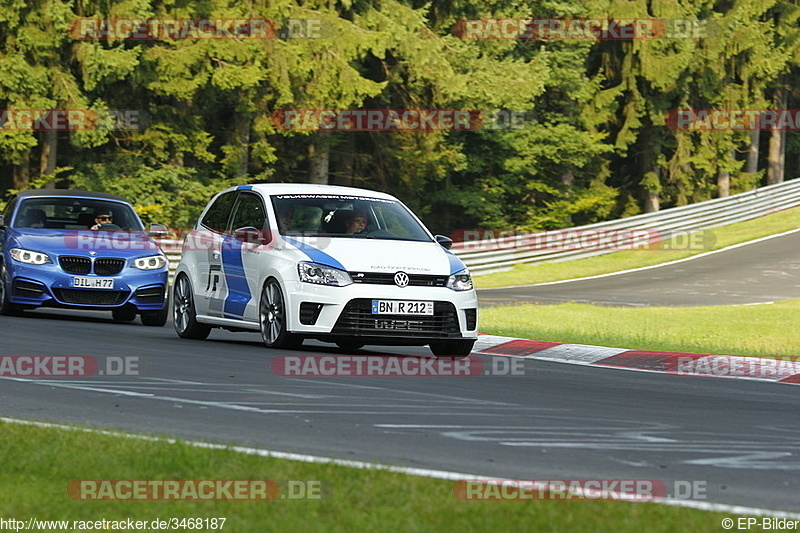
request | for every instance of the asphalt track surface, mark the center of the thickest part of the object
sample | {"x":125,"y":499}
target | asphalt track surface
{"x":738,"y":439}
{"x":766,"y":271}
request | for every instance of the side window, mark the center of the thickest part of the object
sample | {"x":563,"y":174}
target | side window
{"x":216,"y":218}
{"x":249,"y":212}
{"x":9,"y":209}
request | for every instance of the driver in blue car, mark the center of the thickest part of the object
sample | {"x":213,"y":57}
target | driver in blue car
{"x":102,"y":218}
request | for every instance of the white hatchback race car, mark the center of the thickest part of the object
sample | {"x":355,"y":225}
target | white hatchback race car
{"x":338,"y":264}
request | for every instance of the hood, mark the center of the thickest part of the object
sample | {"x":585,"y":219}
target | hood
{"x":374,"y":255}
{"x":80,"y":242}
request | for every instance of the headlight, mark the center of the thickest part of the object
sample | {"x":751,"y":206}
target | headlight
{"x":154,"y":262}
{"x":323,"y":275}
{"x":460,"y":281}
{"x":29,"y":257}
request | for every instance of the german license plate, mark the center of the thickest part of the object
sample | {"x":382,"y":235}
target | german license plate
{"x":401,"y":307}
{"x":93,"y":283}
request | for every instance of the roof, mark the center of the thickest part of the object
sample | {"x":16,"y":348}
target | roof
{"x":68,"y":193}
{"x":312,"y":188}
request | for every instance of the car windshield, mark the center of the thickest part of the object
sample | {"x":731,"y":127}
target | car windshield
{"x":346,"y":216}
{"x":76,"y":213}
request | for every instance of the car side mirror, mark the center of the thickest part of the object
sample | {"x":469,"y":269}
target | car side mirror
{"x":446,"y":242}
{"x":157,"y":230}
{"x":251,"y":235}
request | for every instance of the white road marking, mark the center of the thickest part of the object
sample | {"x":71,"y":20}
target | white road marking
{"x":403,"y":409}
{"x":582,"y":353}
{"x":419,"y":472}
{"x":289,"y":394}
{"x":180,"y":381}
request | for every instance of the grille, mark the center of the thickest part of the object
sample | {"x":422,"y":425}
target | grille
{"x":151,"y":295}
{"x":387,"y":278}
{"x":472,"y":318}
{"x":90,"y":296}
{"x":309,"y":313}
{"x":108,"y":266}
{"x":27,"y":289}
{"x":75,"y":265}
{"x":357,"y":318}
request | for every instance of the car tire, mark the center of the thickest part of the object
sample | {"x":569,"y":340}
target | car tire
{"x":350,"y":346}
{"x":272,"y":318}
{"x":452,"y":348}
{"x":156,"y":318}
{"x":183,"y":312}
{"x":6,"y":307}
{"x":124,"y":314}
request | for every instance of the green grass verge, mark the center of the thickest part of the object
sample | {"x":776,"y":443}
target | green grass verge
{"x":760,"y":330}
{"x":39,"y":463}
{"x":624,"y":260}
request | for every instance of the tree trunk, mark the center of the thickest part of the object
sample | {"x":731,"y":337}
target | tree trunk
{"x":568,"y":181}
{"x":348,"y":163}
{"x":752,"y":152}
{"x":319,"y":152}
{"x":652,"y":203}
{"x":724,"y":177}
{"x":47,"y":158}
{"x":241,"y":133}
{"x":568,"y":177}
{"x":723,"y":184}
{"x":22,"y":172}
{"x":650,"y":171}
{"x":776,"y":156}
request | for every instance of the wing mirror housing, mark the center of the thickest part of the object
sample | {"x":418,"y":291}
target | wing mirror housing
{"x":446,"y":242}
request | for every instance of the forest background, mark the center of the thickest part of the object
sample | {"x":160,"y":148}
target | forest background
{"x":595,"y":144}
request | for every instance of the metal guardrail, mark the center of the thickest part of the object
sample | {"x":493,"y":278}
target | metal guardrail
{"x":172,"y":249}
{"x":485,"y":257}
{"x":497,"y":255}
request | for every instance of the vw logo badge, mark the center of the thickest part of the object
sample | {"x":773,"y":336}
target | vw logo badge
{"x":92,"y":253}
{"x":401,"y":279}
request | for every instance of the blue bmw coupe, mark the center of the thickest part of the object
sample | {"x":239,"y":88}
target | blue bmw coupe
{"x":81,"y":250}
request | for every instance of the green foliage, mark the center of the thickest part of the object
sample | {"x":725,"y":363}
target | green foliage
{"x":594,"y":142}
{"x":166,"y":194}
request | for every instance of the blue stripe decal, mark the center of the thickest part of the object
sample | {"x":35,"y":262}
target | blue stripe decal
{"x":456,"y":265}
{"x":316,"y":255}
{"x":244,"y":188}
{"x":238,"y":291}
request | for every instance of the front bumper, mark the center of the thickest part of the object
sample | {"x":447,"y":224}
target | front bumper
{"x":339,"y":313}
{"x":49,"y":286}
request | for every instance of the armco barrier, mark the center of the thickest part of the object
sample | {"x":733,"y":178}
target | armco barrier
{"x":497,"y":257}
{"x":172,"y":249}
{"x":485,"y":257}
